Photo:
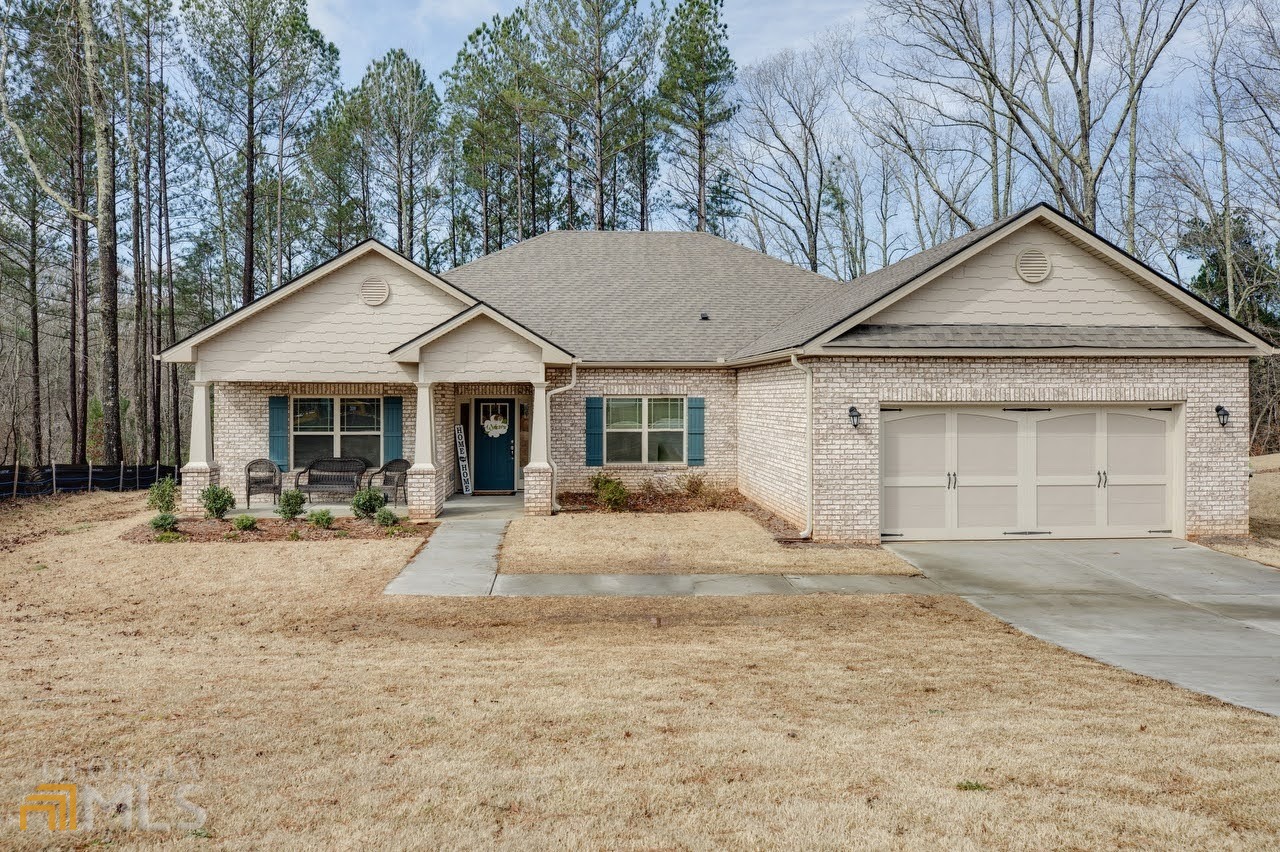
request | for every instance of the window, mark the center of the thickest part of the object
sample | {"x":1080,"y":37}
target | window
{"x":644,"y":429}
{"x":324,"y":426}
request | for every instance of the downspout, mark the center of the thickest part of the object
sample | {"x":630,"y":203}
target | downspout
{"x":573,"y":380}
{"x":807,"y":532}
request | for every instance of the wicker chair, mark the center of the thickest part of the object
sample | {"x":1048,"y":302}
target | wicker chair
{"x":261,"y":476}
{"x":393,"y":481}
{"x":337,"y":476}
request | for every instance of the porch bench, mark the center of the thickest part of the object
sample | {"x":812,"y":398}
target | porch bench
{"x":337,"y":476}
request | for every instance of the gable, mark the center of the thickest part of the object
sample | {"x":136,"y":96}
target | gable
{"x":325,"y":331}
{"x":481,"y":350}
{"x":1082,"y":290}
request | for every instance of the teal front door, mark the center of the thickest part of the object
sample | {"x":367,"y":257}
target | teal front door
{"x":494,"y":439}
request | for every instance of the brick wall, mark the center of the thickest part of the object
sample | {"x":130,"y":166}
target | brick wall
{"x":240,"y":428}
{"x":568,"y":422}
{"x":847,"y":461}
{"x":772,"y":468}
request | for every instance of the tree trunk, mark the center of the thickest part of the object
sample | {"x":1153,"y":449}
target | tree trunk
{"x":33,"y":288}
{"x":250,"y":194}
{"x":107,"y":236}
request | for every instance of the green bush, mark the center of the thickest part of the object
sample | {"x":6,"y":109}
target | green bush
{"x":163,"y":496}
{"x":367,"y":502}
{"x":244,"y":523}
{"x":321,"y":518}
{"x":291,"y":503}
{"x":164,"y":522}
{"x":168,"y":537}
{"x":386,"y":517}
{"x":217,"y":501}
{"x":598,"y":481}
{"x":294,"y":535}
{"x":612,"y":496}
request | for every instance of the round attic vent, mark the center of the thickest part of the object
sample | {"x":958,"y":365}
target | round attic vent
{"x":1033,"y":266}
{"x":374,"y":291}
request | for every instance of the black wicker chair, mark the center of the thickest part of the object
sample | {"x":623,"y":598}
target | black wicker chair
{"x":393,"y":480}
{"x":336,"y":476}
{"x":261,"y":476}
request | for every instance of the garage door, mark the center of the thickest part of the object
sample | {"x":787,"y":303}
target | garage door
{"x":1027,"y":471}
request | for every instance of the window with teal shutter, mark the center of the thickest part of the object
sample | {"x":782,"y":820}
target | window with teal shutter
{"x":392,"y":428}
{"x":697,"y":410}
{"x":595,"y":431}
{"x":278,"y":430}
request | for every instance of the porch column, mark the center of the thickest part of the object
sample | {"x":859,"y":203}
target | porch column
{"x":200,"y":471}
{"x":424,"y":486}
{"x":537,"y":473}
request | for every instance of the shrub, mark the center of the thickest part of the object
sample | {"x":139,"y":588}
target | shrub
{"x":244,"y":523}
{"x":294,"y":535}
{"x":367,"y":502}
{"x":321,"y":518}
{"x":291,"y":503}
{"x":164,"y":522}
{"x":612,"y":495}
{"x":386,"y":517}
{"x":163,"y":496}
{"x":714,"y":498}
{"x":693,"y":483}
{"x":217,"y":501}
{"x":598,"y":481}
{"x":168,"y":537}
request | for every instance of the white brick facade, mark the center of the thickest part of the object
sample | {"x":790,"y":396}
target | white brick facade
{"x":569,"y":422}
{"x":755,"y":426}
{"x":772,"y":468}
{"x":240,"y":428}
{"x":847,"y":461}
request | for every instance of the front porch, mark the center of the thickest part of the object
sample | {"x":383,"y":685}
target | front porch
{"x":499,"y":428}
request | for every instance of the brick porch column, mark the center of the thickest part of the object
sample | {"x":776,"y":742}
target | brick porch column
{"x":425,"y":495}
{"x":537,"y":473}
{"x":200,"y":470}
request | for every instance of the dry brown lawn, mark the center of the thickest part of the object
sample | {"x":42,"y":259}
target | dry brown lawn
{"x":322,"y":714}
{"x":1263,"y":544}
{"x":683,"y":543}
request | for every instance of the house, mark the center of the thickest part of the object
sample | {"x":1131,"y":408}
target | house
{"x":1026,"y":380}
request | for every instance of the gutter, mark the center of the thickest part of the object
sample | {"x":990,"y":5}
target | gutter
{"x":573,"y":380}
{"x":807,"y":532}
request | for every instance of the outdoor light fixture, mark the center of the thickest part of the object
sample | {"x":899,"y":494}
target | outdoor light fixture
{"x":1224,"y":416}
{"x":855,"y":416}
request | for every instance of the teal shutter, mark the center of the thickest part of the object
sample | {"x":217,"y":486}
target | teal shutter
{"x":392,"y":428}
{"x":696,"y":410}
{"x":595,"y":431}
{"x":278,"y":428}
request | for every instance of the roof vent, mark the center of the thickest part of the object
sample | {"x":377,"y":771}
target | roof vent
{"x":1033,"y":265}
{"x":705,"y":317}
{"x":374,"y":291}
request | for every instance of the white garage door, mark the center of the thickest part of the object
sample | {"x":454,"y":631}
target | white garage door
{"x":1027,"y":471}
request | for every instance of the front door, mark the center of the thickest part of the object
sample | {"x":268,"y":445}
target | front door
{"x":494,"y":441}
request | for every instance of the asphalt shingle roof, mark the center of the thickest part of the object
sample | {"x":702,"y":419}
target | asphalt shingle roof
{"x":1034,"y":337}
{"x":638,"y":296}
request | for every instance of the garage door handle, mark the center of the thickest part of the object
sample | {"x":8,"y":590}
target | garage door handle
{"x":1099,"y":479}
{"x":1104,"y":479}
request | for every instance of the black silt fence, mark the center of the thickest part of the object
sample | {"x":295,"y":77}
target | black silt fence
{"x":26,"y":481}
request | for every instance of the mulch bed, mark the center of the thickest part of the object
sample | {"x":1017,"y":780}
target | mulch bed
{"x":658,"y":503}
{"x":275,"y":529}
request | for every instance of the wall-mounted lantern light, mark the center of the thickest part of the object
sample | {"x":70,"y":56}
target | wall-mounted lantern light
{"x":1224,"y":416}
{"x":855,"y":416}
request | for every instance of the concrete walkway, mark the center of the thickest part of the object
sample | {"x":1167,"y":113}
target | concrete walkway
{"x":461,"y":559}
{"x":1159,"y":607}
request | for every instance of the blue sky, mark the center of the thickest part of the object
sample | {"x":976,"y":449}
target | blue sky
{"x":433,"y":30}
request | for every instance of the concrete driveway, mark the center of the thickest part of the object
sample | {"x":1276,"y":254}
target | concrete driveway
{"x":1159,"y":607}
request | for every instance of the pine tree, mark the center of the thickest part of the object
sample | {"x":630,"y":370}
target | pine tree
{"x":694,"y":96}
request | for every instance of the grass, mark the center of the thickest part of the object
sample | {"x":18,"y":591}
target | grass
{"x":678,"y":543}
{"x":321,"y":713}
